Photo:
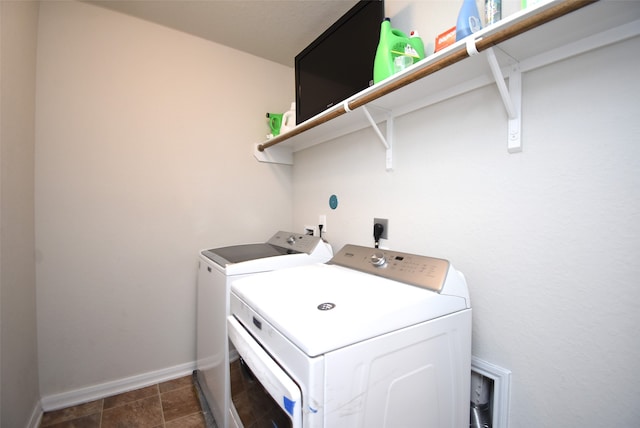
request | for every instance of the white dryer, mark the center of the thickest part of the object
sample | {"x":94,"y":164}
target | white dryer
{"x":372,"y":339}
{"x":217,"y":268}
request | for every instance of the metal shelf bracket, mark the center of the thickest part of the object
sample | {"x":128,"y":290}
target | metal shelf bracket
{"x":387,"y":141}
{"x":512,"y":99}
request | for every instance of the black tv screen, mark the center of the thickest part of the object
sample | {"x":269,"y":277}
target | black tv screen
{"x":339,"y":63}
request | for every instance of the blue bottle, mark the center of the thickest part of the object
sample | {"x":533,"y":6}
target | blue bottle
{"x":468,"y":20}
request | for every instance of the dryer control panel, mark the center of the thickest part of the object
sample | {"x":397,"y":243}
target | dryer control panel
{"x":421,"y":271}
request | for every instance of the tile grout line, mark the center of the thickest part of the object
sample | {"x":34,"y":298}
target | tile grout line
{"x":164,"y":423}
{"x":101,"y":414}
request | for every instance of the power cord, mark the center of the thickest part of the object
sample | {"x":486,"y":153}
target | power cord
{"x":378,"y":229}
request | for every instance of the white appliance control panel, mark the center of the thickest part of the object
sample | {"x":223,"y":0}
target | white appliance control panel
{"x":421,"y":271}
{"x":295,"y":241}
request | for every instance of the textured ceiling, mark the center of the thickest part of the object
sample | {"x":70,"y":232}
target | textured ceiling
{"x":276,"y":30}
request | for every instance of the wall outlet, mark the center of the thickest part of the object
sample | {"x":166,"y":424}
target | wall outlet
{"x":322,"y":219}
{"x":385,"y":223}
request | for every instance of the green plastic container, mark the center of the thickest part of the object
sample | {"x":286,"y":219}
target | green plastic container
{"x":275,"y":122}
{"x":393,"y":44}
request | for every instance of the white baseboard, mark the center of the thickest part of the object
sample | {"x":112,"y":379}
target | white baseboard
{"x":96,"y":392}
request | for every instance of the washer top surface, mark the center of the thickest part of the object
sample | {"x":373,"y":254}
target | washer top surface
{"x":282,"y":250}
{"x":323,"y":307}
{"x":245,"y":252}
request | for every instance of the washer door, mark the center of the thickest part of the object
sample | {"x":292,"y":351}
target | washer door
{"x":262,"y":394}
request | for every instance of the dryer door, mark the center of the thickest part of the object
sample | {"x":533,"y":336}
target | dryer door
{"x":262,"y":394}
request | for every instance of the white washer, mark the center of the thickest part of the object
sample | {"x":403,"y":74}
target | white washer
{"x":217,"y":268}
{"x":372,"y":339}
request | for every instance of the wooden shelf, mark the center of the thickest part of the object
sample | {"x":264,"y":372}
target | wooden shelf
{"x":534,"y":37}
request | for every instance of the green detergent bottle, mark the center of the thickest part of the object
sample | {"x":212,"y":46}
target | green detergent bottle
{"x":275,"y":122}
{"x":395,"y":51}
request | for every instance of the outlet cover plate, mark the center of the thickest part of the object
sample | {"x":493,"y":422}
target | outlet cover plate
{"x":385,"y":223}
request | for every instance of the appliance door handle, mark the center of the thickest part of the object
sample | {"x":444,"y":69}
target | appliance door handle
{"x":277,"y":383}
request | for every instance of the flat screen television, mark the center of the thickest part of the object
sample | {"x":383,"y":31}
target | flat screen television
{"x":339,"y":63}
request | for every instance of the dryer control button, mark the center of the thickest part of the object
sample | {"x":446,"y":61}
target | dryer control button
{"x":291,"y":240}
{"x":378,"y":259}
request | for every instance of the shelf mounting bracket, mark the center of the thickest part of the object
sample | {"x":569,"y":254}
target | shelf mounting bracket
{"x":512,"y":99}
{"x":276,"y":154}
{"x":387,"y":141}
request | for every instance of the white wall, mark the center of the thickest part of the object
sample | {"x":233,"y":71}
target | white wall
{"x":144,"y":141}
{"x":549,"y":239}
{"x":19,"y":395}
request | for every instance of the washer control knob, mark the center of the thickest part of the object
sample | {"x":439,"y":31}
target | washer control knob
{"x":291,"y":240}
{"x":378,"y":259}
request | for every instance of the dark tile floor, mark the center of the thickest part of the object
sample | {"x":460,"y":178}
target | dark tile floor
{"x":172,"y":404}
